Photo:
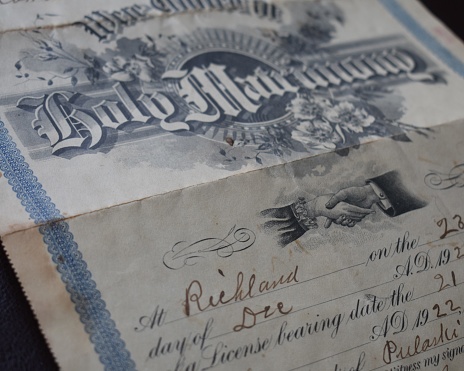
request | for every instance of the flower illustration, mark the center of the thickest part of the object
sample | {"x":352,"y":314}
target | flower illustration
{"x":316,"y":134}
{"x":308,"y":108}
{"x":137,"y":67}
{"x":322,"y":18}
{"x":349,"y":117}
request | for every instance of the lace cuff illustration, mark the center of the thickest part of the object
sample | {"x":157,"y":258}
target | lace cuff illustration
{"x":303,"y":215}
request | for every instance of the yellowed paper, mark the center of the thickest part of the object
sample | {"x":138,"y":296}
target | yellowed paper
{"x":196,"y":279}
{"x":240,"y":185}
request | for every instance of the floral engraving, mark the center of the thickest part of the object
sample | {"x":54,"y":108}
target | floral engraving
{"x":306,"y":101}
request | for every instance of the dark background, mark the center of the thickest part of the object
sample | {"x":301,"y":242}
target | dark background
{"x":22,"y":346}
{"x":449,"y":12}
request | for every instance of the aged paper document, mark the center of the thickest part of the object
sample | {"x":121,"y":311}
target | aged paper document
{"x":235,"y":185}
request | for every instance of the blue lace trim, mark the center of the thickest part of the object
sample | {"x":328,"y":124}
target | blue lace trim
{"x":423,"y":36}
{"x":65,"y":254}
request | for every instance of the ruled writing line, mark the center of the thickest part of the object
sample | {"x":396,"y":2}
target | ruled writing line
{"x":415,"y":355}
{"x":266,"y":293}
{"x":331,"y":356}
{"x":434,"y":292}
{"x":309,"y":280}
{"x":311,"y":306}
{"x":441,"y":239}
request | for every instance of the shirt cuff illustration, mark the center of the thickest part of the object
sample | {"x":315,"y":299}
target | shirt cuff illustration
{"x":384,"y":202}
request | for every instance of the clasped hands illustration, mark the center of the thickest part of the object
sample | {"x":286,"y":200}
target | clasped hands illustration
{"x":346,"y":207}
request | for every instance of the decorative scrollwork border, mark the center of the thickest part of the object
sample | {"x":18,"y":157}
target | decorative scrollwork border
{"x":441,"y":181}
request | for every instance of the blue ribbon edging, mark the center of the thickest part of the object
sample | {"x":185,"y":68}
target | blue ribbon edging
{"x":424,"y":36}
{"x":97,"y":321}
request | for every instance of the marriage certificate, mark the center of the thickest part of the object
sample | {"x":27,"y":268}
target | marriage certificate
{"x":235,"y":184}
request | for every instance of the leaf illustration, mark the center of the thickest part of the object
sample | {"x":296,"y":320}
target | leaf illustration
{"x":278,"y":152}
{"x":401,"y":138}
{"x":174,"y":74}
{"x":339,"y":131}
{"x":57,"y":44}
{"x":264,"y":146}
{"x":92,"y":74}
{"x":343,"y":151}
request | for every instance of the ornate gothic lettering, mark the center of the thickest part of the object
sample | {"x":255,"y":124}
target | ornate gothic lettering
{"x":64,"y":125}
